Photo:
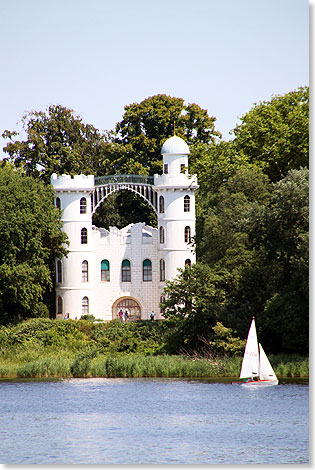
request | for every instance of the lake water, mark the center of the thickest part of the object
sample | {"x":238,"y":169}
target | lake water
{"x":152,"y":421}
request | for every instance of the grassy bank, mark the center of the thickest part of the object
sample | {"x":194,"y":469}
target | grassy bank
{"x":133,"y":365}
{"x":48,"y":348}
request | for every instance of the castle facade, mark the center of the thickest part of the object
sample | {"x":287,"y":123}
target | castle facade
{"x":108,"y":271}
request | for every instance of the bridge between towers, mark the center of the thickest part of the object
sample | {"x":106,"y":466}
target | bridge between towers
{"x":104,"y":186}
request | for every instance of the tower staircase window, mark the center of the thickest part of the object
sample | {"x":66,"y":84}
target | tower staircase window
{"x":59,"y":271}
{"x":59,"y":305}
{"x":165,"y":169}
{"x":83,"y":205}
{"x":105,"y":272}
{"x":161,"y":200}
{"x":186,"y":204}
{"x":84,"y":236}
{"x":85,"y":305}
{"x":162,"y":270}
{"x":162,"y":235}
{"x":85,"y":271}
{"x":187,"y":235}
{"x":58,"y":203}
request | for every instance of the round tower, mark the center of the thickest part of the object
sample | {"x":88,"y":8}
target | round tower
{"x":74,"y":289}
{"x":176,"y":207}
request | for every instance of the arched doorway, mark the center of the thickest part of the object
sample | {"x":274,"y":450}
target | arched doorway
{"x":132,"y":307}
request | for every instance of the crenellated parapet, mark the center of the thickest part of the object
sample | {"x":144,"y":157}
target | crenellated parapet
{"x":72,"y":183}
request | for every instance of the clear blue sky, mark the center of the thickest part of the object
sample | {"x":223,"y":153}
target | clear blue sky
{"x":96,"y":56}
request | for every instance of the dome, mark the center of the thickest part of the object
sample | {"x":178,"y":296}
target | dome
{"x":176,"y":146}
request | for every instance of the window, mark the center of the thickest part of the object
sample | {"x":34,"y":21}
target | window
{"x":186,"y":204}
{"x":85,"y":271}
{"x":161,"y":200}
{"x":187,"y":235}
{"x":162,"y":235}
{"x":85,"y":305}
{"x":84,"y":236}
{"x":183,"y":168}
{"x":58,"y":203}
{"x":147,"y":270}
{"x":162,"y":270}
{"x":126,"y":271}
{"x":105,"y":273}
{"x":187,"y":263}
{"x":165,"y":168}
{"x":59,"y":305}
{"x":83,"y":205}
{"x":59,"y":271}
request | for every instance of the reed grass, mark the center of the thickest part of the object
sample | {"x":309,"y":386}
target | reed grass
{"x":150,"y":366}
{"x":136,"y":365}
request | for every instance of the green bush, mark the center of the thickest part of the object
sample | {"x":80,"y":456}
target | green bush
{"x":59,"y":348}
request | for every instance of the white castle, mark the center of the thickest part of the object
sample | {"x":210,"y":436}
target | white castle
{"x":111,"y":270}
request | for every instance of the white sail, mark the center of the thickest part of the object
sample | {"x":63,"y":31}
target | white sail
{"x":266,"y":371}
{"x":250,"y":364}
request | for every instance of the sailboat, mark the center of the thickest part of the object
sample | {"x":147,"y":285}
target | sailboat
{"x":256,"y":368}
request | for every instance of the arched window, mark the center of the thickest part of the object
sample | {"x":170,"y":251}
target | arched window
{"x":165,"y":168}
{"x":126,"y":271}
{"x":187,"y":235}
{"x":162,"y":235}
{"x":186,"y":204}
{"x":161,"y":200}
{"x":59,"y":305}
{"x":85,"y":305}
{"x":58,"y":203}
{"x":59,"y":271}
{"x":83,"y":205}
{"x":105,"y":272}
{"x":187,"y":263}
{"x":162,"y":270}
{"x":85,"y":271}
{"x":84,"y":236}
{"x":147,"y":270}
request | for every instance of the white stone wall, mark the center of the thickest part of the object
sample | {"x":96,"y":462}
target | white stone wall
{"x":136,"y":243}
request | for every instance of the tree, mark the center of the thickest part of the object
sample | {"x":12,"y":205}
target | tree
{"x":146,"y":125}
{"x":279,"y":233}
{"x":57,"y":141}
{"x":30,"y":239}
{"x":192,"y":304}
{"x":222,"y":238}
{"x":274,"y":134}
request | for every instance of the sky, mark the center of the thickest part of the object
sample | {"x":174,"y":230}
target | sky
{"x":97,"y":56}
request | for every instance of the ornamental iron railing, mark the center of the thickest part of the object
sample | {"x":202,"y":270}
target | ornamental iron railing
{"x":134,"y":179}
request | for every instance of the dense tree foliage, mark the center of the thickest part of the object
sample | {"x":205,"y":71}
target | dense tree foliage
{"x":278,"y":232}
{"x":56,"y":141}
{"x":193,"y":301}
{"x":146,"y":125}
{"x":254,"y":254}
{"x":275,"y":134}
{"x":30,"y":239}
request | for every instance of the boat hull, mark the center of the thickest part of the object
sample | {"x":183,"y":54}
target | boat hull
{"x":257,"y":383}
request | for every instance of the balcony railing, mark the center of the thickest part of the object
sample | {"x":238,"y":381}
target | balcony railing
{"x":133,"y":179}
